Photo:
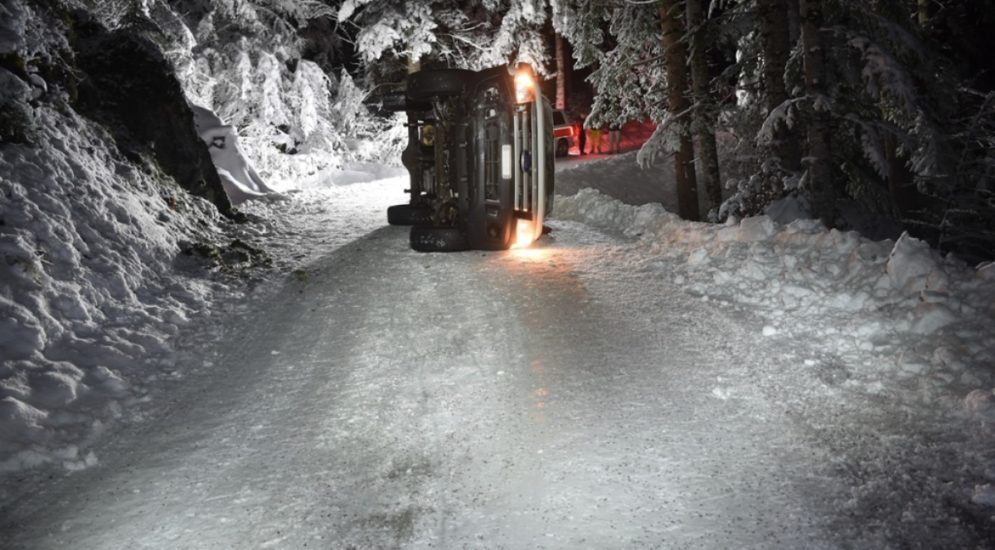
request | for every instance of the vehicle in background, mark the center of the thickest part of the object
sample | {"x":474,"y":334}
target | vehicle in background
{"x":564,"y":133}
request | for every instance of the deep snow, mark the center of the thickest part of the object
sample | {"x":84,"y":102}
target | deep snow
{"x":788,"y":367}
{"x":90,"y":298}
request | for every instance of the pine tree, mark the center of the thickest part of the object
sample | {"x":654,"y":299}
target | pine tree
{"x":819,"y":176}
{"x":675,"y":54}
{"x":703,"y":126}
{"x":774,"y":25}
{"x":475,"y":34}
{"x":922,"y":12}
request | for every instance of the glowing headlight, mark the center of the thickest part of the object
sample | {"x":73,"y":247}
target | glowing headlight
{"x":525,"y":87}
{"x":524,"y":234}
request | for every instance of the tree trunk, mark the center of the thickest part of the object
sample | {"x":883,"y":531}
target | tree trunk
{"x":820,"y":168}
{"x":901,"y":180}
{"x":675,"y":58}
{"x":776,"y":35}
{"x":922,"y":12}
{"x":794,"y":26}
{"x":561,"y":73}
{"x":703,"y":126}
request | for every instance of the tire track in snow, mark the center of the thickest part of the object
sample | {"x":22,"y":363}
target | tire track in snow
{"x":544,"y":398}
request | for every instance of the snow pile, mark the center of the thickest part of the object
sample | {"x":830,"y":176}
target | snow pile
{"x":909,"y":314}
{"x":87,"y":305}
{"x":619,"y":176}
{"x":872,"y":326}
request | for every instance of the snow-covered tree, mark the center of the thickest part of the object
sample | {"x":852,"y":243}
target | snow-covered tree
{"x":244,"y":60}
{"x":470,"y":35}
{"x":622,"y":44}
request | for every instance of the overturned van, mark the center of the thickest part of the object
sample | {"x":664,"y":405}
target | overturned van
{"x":480,"y":157}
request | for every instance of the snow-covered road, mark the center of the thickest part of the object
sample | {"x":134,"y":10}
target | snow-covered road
{"x":649,"y":384}
{"x":519,"y":399}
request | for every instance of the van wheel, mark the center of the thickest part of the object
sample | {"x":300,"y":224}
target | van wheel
{"x":445,"y":82}
{"x":438,"y":239}
{"x":409,"y":214}
{"x":562,"y":147}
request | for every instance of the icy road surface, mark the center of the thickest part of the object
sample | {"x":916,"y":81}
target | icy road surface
{"x":530,"y":399}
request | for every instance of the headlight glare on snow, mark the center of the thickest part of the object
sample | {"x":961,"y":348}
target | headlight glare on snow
{"x":524,"y":233}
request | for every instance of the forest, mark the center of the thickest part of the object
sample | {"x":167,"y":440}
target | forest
{"x":877,"y":116}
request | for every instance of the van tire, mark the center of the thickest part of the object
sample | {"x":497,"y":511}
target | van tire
{"x":438,"y":239}
{"x":409,"y":214}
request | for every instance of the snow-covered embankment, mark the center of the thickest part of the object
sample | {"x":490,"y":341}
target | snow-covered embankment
{"x":87,"y":289}
{"x":891,"y":319}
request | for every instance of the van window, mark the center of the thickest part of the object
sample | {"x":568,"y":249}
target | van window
{"x":558,"y":119}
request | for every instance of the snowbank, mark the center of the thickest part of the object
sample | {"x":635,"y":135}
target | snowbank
{"x":102,"y":255}
{"x":916,"y":325}
{"x":88,"y":300}
{"x":619,"y":176}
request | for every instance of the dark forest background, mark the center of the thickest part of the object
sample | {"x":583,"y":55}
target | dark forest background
{"x":876,"y":115}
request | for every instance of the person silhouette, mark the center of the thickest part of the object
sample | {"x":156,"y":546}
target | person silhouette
{"x":581,"y":134}
{"x":596,"y":140}
{"x":614,"y":138}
